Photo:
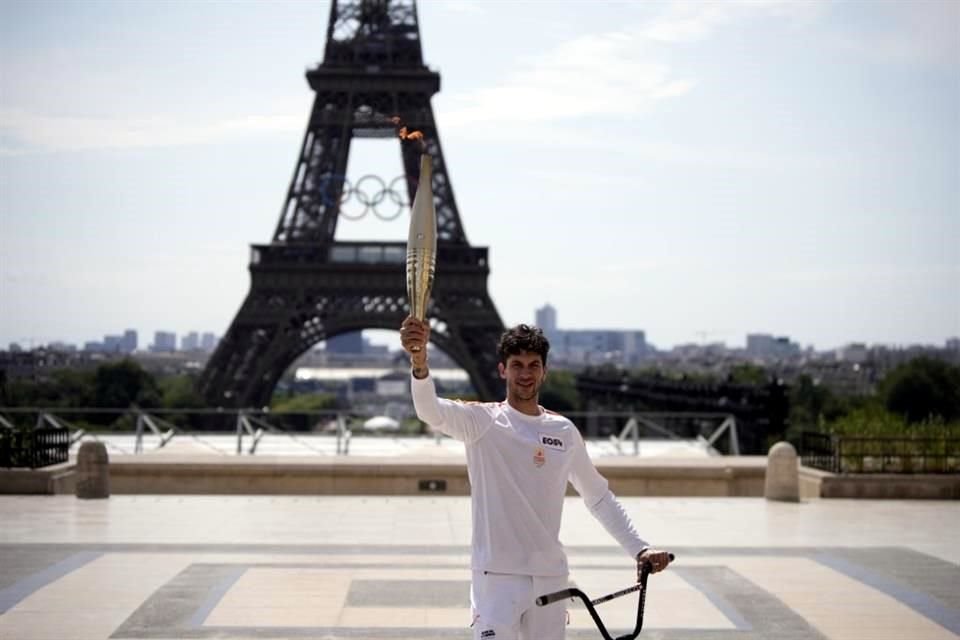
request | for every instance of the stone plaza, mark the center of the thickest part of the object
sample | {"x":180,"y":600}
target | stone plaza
{"x":338,"y":567}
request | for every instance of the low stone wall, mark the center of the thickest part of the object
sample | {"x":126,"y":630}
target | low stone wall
{"x":58,"y":478}
{"x":811,"y":482}
{"x":886,"y":486}
{"x":263,"y":475}
{"x":741,"y":476}
{"x":287,"y":476}
{"x":878,"y":486}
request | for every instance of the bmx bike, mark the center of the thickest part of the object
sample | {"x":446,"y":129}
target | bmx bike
{"x":573,"y":592}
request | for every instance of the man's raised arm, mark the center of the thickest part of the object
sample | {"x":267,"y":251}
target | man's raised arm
{"x":456,"y":419}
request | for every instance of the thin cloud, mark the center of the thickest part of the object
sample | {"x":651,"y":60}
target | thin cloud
{"x":24,"y":132}
{"x":614,"y":73}
{"x":683,"y":22}
{"x":597,"y":74}
{"x":907,"y":33}
{"x":875,"y":274}
{"x":467,"y":7}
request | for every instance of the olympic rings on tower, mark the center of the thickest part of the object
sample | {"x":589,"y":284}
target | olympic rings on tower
{"x":369,"y":194}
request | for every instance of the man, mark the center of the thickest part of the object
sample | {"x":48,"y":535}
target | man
{"x":519,"y":459}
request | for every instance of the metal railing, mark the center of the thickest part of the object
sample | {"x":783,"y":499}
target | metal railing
{"x":858,"y":454}
{"x":33,"y":448}
{"x":818,"y":451}
{"x":161,"y":426}
{"x":136,"y":430}
{"x":649,"y":422}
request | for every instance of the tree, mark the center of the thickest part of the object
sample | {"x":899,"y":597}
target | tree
{"x":747,"y":373}
{"x":304,"y":402}
{"x":125,"y":383}
{"x":559,"y":392}
{"x":60,"y":388}
{"x":812,"y":404}
{"x":285,"y":410}
{"x":923,"y":388}
{"x":180,"y":392}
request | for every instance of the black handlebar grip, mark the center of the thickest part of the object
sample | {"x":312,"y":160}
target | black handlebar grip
{"x":563,"y":594}
{"x":672,"y":557}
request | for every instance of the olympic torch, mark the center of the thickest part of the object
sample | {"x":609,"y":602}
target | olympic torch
{"x":422,"y":243}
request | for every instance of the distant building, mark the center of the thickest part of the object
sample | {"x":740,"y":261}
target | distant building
{"x":546,"y":319}
{"x":113,"y":344}
{"x":855,"y":352}
{"x":164,"y":341}
{"x":375,"y":350}
{"x":190,"y":342}
{"x":208,"y":342}
{"x":598,"y":345}
{"x":764,"y":346}
{"x":394,"y":384}
{"x":759,"y":345}
{"x":128,"y":343}
{"x":351,"y":342}
{"x":693,"y":351}
{"x":591,"y":346}
{"x":35,"y":364}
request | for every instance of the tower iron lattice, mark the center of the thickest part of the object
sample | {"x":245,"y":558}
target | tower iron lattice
{"x":307,"y":287}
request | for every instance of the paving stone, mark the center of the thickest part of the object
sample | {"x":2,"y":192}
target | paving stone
{"x":158,"y":568}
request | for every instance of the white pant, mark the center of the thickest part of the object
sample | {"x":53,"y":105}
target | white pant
{"x":504,"y":607}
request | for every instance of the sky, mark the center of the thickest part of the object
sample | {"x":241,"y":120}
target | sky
{"x":696,"y":170}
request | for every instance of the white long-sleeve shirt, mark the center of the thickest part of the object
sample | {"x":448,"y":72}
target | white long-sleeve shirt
{"x":519,"y":466}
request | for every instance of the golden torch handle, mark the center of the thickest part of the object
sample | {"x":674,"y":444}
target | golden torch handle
{"x":422,"y":243}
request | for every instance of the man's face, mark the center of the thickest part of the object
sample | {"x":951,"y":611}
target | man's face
{"x":524,"y":374}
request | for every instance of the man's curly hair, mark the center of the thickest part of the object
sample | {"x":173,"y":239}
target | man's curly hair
{"x":520,"y":338}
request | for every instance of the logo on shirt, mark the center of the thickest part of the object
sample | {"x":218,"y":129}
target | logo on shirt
{"x":552,"y":442}
{"x":488,"y":633}
{"x":539,"y":458}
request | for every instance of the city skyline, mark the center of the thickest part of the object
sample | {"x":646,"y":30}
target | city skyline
{"x":128,"y":342}
{"x":380,"y":338}
{"x":697,"y":171}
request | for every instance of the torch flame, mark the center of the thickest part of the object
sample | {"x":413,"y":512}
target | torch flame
{"x":407,"y":135}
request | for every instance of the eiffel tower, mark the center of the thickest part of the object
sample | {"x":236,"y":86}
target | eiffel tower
{"x":305,"y":286}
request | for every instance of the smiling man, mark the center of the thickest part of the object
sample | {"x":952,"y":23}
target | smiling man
{"x":520,"y":458}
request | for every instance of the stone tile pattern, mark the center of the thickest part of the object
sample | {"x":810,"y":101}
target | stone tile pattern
{"x":262,"y":591}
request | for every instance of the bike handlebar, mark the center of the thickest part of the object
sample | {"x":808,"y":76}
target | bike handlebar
{"x":573,"y":592}
{"x":550,"y":598}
